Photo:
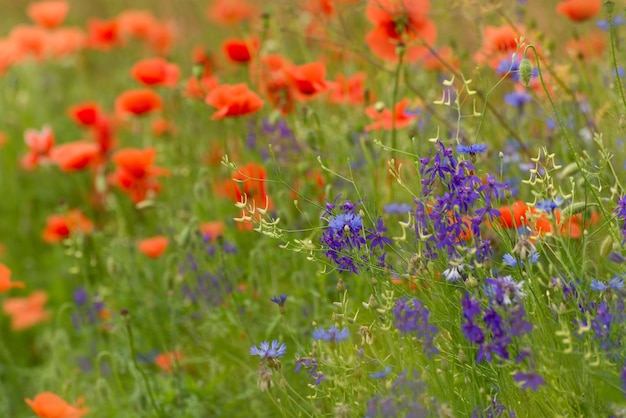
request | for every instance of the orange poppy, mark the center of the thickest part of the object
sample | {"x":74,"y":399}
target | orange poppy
{"x":136,"y":174}
{"x":400,"y":21}
{"x":212,"y":230}
{"x":136,"y":23}
{"x":102,"y":34}
{"x":138,"y":102}
{"x":29,"y":40}
{"x":499,"y":42}
{"x":85,"y":114}
{"x":10,"y":53}
{"x":383,"y":119}
{"x":240,"y":51}
{"x":231,"y":12}
{"x":49,"y":405}
{"x":515,"y":215}
{"x":274,"y":81}
{"x":162,"y":127}
{"x":320,"y":7}
{"x":233,"y":100}
{"x":75,"y":156}
{"x":60,"y":227}
{"x":3,"y":139}
{"x":26,"y":312}
{"x":587,"y":47}
{"x":198,"y":89}
{"x":248,"y":181}
{"x":579,"y":10}
{"x":433,"y":63}
{"x":48,"y":14}
{"x":307,"y":79}
{"x":5,"y":280}
{"x":153,"y":247}
{"x":156,"y":72}
{"x":348,"y":90}
{"x":65,"y":41}
{"x":166,"y":360}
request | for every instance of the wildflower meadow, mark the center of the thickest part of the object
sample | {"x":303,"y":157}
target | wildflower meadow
{"x":312,"y":208}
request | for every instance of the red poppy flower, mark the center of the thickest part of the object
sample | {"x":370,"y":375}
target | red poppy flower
{"x":248,"y":184}
{"x":5,"y":280}
{"x":198,"y":89}
{"x":399,"y":21}
{"x":233,"y":100}
{"x":48,"y":14}
{"x":85,"y":114}
{"x":156,"y":72}
{"x":65,"y":41}
{"x":138,"y":102}
{"x":153,"y":247}
{"x":75,"y":156}
{"x":135,"y":173}
{"x":515,"y":215}
{"x":348,"y":90}
{"x":162,"y":127}
{"x":231,"y":12}
{"x":136,"y":23}
{"x":384,"y":119}
{"x":240,"y":50}
{"x":102,"y":34}
{"x":308,"y":79}
{"x":579,"y":10}
{"x":29,"y":40}
{"x":167,"y":360}
{"x":26,"y":312}
{"x":49,"y":405}
{"x":60,"y":227}
{"x":274,"y":81}
{"x":39,"y":144}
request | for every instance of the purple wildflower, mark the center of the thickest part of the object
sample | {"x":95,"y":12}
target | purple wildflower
{"x":530,"y":380}
{"x":332,"y":335}
{"x":411,"y":317}
{"x":269,"y":351}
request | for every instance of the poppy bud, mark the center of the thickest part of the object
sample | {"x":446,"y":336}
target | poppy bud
{"x":609,"y":6}
{"x":525,"y":71}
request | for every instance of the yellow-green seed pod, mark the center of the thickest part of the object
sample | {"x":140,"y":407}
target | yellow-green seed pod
{"x":525,"y":71}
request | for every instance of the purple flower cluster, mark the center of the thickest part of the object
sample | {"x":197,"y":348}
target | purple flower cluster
{"x":412,"y":317}
{"x":333,"y":334}
{"x":347,"y":242}
{"x":502,"y":320}
{"x":620,"y":213}
{"x":87,"y":312}
{"x":310,"y":363}
{"x":460,"y":203}
{"x":402,"y":399}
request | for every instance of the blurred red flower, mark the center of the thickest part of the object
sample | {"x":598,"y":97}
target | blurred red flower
{"x":579,"y":10}
{"x":26,"y":312}
{"x":61,"y":226}
{"x":156,"y":72}
{"x":49,"y":405}
{"x":48,"y":14}
{"x":138,"y":102}
{"x":233,"y":100}
{"x":153,"y":247}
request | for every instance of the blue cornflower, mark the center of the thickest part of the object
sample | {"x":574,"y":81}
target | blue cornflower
{"x":517,"y":98}
{"x":616,"y":283}
{"x":471,"y":149}
{"x":332,"y":335}
{"x":598,"y":286}
{"x":269,"y":351}
{"x":530,"y":380}
{"x":279,"y":300}
{"x":509,"y":260}
{"x":604,"y":24}
{"x":381,"y":374}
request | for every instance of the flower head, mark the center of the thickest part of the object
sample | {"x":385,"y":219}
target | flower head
{"x":332,"y":335}
{"x":267,"y":351}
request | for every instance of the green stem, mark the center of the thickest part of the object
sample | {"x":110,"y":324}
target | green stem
{"x":569,"y":142}
{"x":618,"y":80}
{"x":394,"y":99}
{"x":143,"y":374}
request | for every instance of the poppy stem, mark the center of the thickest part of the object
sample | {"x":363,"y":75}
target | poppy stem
{"x":394,"y":98}
{"x":133,"y":354}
